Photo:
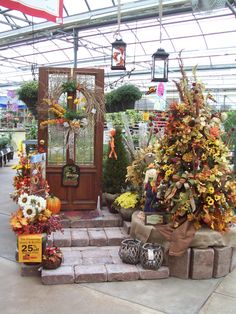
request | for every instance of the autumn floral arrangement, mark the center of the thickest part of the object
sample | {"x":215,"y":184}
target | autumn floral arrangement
{"x":52,"y":258}
{"x":22,"y":179}
{"x":195,"y":181}
{"x":33,"y":217}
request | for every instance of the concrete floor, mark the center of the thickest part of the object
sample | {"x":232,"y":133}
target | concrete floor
{"x":24,"y":295}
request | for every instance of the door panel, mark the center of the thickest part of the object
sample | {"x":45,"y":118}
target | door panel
{"x":88,"y":148}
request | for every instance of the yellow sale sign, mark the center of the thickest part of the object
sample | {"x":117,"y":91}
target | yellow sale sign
{"x":30,"y":248}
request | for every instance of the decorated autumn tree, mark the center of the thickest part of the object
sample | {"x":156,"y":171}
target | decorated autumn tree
{"x":195,"y":179}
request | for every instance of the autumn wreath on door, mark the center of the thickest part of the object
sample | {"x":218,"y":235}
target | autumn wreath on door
{"x":80,"y":107}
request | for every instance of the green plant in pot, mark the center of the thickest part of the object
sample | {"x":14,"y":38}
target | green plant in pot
{"x":126,"y":204}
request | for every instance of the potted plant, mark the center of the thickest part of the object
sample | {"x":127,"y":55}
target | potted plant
{"x":126,"y":204}
{"x":52,"y":258}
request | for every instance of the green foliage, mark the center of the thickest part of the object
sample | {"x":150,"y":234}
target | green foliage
{"x":72,"y":114}
{"x":32,"y":132}
{"x":230,"y":129}
{"x":122,"y":98}
{"x":229,"y":124}
{"x":133,"y":116}
{"x":4,"y":141}
{"x":69,"y":86}
{"x":28,"y":93}
{"x":114,"y":170}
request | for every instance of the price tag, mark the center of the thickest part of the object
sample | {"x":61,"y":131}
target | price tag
{"x":30,"y":248}
{"x":150,"y":255}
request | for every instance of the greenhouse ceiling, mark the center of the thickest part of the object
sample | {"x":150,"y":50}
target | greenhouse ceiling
{"x":203,"y":30}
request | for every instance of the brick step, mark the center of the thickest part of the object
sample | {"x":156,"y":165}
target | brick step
{"x":93,"y":264}
{"x":74,"y":237}
{"x":104,"y":219}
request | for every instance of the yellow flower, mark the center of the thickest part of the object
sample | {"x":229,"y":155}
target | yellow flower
{"x":210,"y":200}
{"x":217,"y":197}
{"x":210,"y":189}
{"x":203,"y":157}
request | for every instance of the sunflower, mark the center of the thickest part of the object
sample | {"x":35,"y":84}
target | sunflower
{"x":23,"y":200}
{"x":209,"y":200}
{"x":210,"y":189}
{"x":29,"y":212}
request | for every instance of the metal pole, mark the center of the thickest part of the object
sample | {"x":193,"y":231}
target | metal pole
{"x":76,"y":46}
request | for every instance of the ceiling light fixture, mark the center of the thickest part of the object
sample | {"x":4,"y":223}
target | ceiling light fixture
{"x":118,"y":53}
{"x":160,"y":58}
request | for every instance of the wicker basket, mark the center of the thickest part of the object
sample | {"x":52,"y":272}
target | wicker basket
{"x":151,"y":256}
{"x":51,"y":262}
{"x":129,"y":251}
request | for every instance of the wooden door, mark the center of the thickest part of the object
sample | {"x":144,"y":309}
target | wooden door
{"x":88,"y":145}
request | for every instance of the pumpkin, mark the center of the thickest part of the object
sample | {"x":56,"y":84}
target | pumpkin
{"x":54,"y":204}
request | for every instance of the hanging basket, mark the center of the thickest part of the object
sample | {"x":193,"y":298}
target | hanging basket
{"x":129,"y":251}
{"x":151,"y":256}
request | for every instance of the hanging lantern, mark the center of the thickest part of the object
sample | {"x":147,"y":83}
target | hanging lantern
{"x":160,"y":66}
{"x":118,"y":55}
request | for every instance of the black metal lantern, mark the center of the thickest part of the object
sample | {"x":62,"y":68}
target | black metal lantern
{"x":118,"y":55}
{"x":160,"y":66}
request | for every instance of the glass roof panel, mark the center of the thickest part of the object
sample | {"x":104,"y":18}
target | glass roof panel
{"x":221,"y":40}
{"x":189,"y":44}
{"x":94,"y":5}
{"x":75,"y":6}
{"x":189,"y":28}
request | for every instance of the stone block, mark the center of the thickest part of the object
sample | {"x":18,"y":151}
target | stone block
{"x":61,"y":275}
{"x":95,"y":252}
{"x":87,"y":223}
{"x":72,"y":258}
{"x":161,"y":273}
{"x":28,"y":270}
{"x":115,"y":235}
{"x":90,"y":273}
{"x":122,"y":272}
{"x":97,"y":237}
{"x":179,"y":265}
{"x":233,"y":259}
{"x":127,"y":226}
{"x":97,"y":260}
{"x":202,"y":261}
{"x":222,"y":261}
{"x":79,"y":237}
{"x":112,"y":220}
{"x":62,"y":239}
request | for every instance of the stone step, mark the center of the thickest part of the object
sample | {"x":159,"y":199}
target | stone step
{"x":93,"y":264}
{"x":103,"y":219}
{"x":74,"y":237}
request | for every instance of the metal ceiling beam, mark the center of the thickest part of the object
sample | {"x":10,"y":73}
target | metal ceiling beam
{"x":142,"y":9}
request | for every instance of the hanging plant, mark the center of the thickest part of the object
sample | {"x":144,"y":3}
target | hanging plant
{"x":28,"y":93}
